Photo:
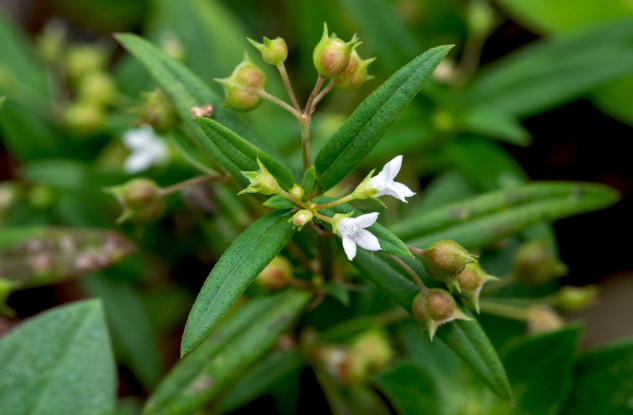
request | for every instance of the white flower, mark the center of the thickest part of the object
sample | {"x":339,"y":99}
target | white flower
{"x":352,"y":231}
{"x":146,"y":148}
{"x":385,"y":185}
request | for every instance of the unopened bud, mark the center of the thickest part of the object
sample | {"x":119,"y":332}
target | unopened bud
{"x":571,"y":298}
{"x":141,"y":200}
{"x":276,"y":274}
{"x":332,"y":55}
{"x":302,"y":218}
{"x":471,"y":280}
{"x":444,"y":261}
{"x":50,"y":44}
{"x":534,"y":264}
{"x":10,"y":193}
{"x":244,"y":85}
{"x":297,"y":192}
{"x":157,"y":110}
{"x":84,"y":59}
{"x":374,"y":349}
{"x":261,"y":181}
{"x":480,"y":18}
{"x":445,"y":72}
{"x":355,"y":75}
{"x":205,"y":111}
{"x":85,"y":117}
{"x":98,"y":88}
{"x":542,"y":319}
{"x":273,"y":51}
{"x":434,"y":308}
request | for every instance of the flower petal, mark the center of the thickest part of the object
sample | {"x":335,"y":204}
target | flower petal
{"x":378,"y":181}
{"x":366,"y":220}
{"x":392,"y":191}
{"x":137,"y":161}
{"x":392,"y":168}
{"x":344,"y":226}
{"x":350,"y":247}
{"x":402,"y":190}
{"x":367,"y":240}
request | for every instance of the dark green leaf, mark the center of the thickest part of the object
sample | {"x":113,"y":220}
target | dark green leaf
{"x":373,"y":117}
{"x":242,"y":153}
{"x":307,"y":183}
{"x":226,"y":354}
{"x":237,"y":268}
{"x":389,"y":242}
{"x":279,"y":202}
{"x":337,"y":291}
{"x":59,"y":362}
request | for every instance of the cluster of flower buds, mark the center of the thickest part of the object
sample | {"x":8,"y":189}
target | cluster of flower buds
{"x":434,"y":307}
{"x":535,"y":264}
{"x":445,"y":261}
{"x":261,"y":181}
{"x":243,"y":88}
{"x":470,"y":281}
{"x":276,"y":275}
{"x":274,"y":52}
{"x":141,"y":199}
{"x":355,"y":75}
{"x":332,"y":55}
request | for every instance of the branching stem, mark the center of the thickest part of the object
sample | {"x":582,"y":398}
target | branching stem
{"x":286,"y":79}
{"x":423,"y":288}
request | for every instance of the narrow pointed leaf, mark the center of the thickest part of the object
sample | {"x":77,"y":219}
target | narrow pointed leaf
{"x":389,"y":242}
{"x":373,"y":117}
{"x":279,"y":202}
{"x":237,"y":268}
{"x":226,"y":354}
{"x":307,"y":183}
{"x":242,"y":153}
{"x":59,"y":362}
{"x":466,"y":338}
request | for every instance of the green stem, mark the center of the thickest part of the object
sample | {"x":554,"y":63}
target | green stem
{"x":190,"y":182}
{"x":345,"y":199}
{"x":305,"y":142}
{"x":423,"y":288}
{"x":323,"y":93}
{"x":503,"y":310}
{"x":286,"y":79}
{"x":279,"y":102}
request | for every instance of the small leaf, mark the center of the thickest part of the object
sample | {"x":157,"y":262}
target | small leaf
{"x":226,"y":354}
{"x":337,"y":291}
{"x":237,"y":268}
{"x":373,"y":117}
{"x":242,"y":153}
{"x":59,"y":362}
{"x":307,"y":183}
{"x":389,"y":242}
{"x":279,"y":202}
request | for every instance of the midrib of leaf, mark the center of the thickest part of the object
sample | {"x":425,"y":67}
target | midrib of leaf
{"x":65,"y":351}
{"x":372,"y":118}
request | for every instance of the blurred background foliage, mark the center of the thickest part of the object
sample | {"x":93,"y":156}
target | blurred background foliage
{"x":534,"y":89}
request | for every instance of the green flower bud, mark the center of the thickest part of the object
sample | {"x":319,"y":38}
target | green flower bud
{"x":542,"y":319}
{"x":85,"y":117}
{"x":157,"y":110}
{"x":373,"y":349}
{"x":261,"y":181}
{"x":273,"y":51}
{"x":141,"y":199}
{"x":331,"y":55}
{"x":571,"y":298}
{"x":444,"y":261}
{"x":534,"y":264}
{"x":50,"y":45}
{"x":244,"y":85}
{"x":481,"y":18}
{"x":98,"y":88}
{"x":470,"y":281}
{"x":297,"y":192}
{"x":301,"y":218}
{"x":10,"y":193}
{"x":355,"y":75}
{"x":434,"y":308}
{"x":276,"y":274}
{"x":84,"y":59}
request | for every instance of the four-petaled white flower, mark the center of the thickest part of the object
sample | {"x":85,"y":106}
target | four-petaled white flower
{"x":385,"y":185}
{"x":352,"y":231}
{"x":146,"y":148}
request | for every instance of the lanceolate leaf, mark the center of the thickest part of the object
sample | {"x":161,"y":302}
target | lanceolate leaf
{"x":59,"y":362}
{"x":492,"y":216}
{"x":242,"y":153}
{"x":373,"y":117}
{"x":466,"y":338}
{"x":308,"y":179}
{"x":279,"y":202}
{"x":389,"y":242}
{"x":226,"y":354}
{"x":237,"y":268}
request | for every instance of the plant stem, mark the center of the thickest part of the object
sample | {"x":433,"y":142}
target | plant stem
{"x":415,"y":251}
{"x":416,"y":277}
{"x":327,"y":89}
{"x":279,"y":102}
{"x":305,"y":143}
{"x":307,"y":112}
{"x":195,"y":180}
{"x":503,"y":310}
{"x":345,"y":199}
{"x":286,"y":79}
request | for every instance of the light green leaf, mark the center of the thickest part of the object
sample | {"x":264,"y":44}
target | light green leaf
{"x":59,"y":362}
{"x":389,"y":242}
{"x":373,"y":117}
{"x":226,"y":354}
{"x":237,"y":268}
{"x":279,"y":202}
{"x":466,"y":338}
{"x":307,"y":183}
{"x":487,"y":218}
{"x":242,"y":153}
{"x":2,"y":99}
{"x":497,"y":124}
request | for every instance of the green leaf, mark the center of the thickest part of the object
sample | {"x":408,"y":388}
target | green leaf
{"x":226,"y":354}
{"x":242,"y":153}
{"x":602,"y":381}
{"x":337,"y":291}
{"x":540,"y":370}
{"x":373,"y":117}
{"x":279,"y":202}
{"x":307,"y":183}
{"x":410,"y":388}
{"x":59,"y":362}
{"x":237,"y":268}
{"x":2,"y":99}
{"x":496,"y":124}
{"x":185,"y":91}
{"x":487,"y":218}
{"x":389,"y":242}
{"x":466,"y":338}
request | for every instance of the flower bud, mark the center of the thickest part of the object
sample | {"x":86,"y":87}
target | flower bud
{"x":534,"y":264}
{"x":301,"y":218}
{"x":355,"y":75}
{"x":470,"y":281}
{"x":331,"y":55}
{"x":297,"y":192}
{"x":480,"y":18}
{"x":141,"y":200}
{"x":10,"y":193}
{"x":276,"y":274}
{"x":273,"y":51}
{"x":261,"y":181}
{"x":84,"y":59}
{"x":445,"y":260}
{"x":98,"y":88}
{"x":542,"y":318}
{"x":571,"y":298}
{"x":373,"y":349}
{"x":51,"y":43}
{"x":434,"y":308}
{"x":243,"y":87}
{"x":85,"y":117}
{"x":157,"y":110}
